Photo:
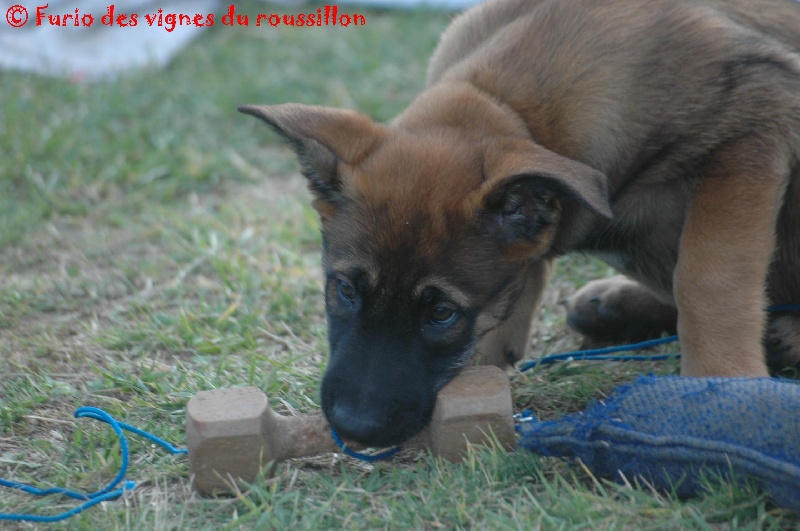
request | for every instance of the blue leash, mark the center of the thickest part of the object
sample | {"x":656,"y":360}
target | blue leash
{"x":603,"y":354}
{"x":109,"y":492}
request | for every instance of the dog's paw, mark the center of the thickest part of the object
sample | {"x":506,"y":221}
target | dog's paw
{"x":782,"y":343}
{"x":618,"y":310}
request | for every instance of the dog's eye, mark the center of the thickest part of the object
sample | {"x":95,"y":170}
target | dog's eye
{"x":443,"y":315}
{"x":345,"y":289}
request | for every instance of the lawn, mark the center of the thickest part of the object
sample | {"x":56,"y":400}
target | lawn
{"x":155,"y":243}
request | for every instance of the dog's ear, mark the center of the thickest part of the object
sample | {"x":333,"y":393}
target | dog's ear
{"x":526,"y":185}
{"x":322,"y":137}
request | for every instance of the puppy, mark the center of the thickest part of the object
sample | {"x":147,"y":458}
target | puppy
{"x":662,"y":136}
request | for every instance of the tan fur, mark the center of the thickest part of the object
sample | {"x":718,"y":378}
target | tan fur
{"x":660,"y":135}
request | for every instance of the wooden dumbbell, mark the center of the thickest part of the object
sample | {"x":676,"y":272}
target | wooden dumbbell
{"x":231,"y":433}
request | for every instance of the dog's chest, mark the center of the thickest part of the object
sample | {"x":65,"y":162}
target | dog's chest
{"x":642,"y":239}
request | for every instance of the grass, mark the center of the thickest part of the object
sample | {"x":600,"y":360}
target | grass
{"x":155,"y":243}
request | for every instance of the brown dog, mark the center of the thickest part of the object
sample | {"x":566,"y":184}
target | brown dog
{"x":660,"y":135}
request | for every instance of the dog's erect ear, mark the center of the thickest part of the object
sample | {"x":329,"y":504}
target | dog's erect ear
{"x":526,"y":185}
{"x":322,"y":137}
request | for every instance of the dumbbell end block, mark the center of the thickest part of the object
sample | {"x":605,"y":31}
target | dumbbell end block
{"x":224,"y":433}
{"x":474,"y":409}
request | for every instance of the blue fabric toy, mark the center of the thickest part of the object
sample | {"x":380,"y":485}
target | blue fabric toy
{"x":668,"y":429}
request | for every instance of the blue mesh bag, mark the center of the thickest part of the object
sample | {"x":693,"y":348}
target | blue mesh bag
{"x":673,"y":431}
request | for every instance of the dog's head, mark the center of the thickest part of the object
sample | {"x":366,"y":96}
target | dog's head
{"x":426,"y":236}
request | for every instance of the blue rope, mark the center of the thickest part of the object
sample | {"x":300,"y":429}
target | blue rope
{"x":109,"y":492}
{"x":369,"y":458}
{"x":600,"y":354}
{"x":152,"y":438}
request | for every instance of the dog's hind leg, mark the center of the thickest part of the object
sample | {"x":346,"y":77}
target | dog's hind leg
{"x":508,"y":342}
{"x":726,"y":247}
{"x":618,"y":310}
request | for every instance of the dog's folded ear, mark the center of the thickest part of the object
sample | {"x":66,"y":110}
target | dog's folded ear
{"x":322,"y":137}
{"x":526,"y":187}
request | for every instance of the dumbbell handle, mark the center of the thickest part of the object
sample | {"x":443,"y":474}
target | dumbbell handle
{"x":297,"y":436}
{"x":308,"y":435}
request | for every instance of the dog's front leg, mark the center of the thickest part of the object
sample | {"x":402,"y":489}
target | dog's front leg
{"x":508,"y":342}
{"x":725,"y":250}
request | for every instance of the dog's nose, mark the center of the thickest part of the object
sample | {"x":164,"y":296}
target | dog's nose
{"x":358,"y":426}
